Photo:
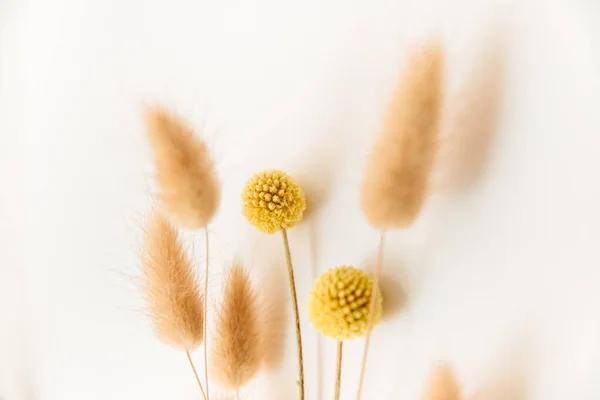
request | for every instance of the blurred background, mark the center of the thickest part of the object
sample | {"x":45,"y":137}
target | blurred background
{"x":499,"y":277}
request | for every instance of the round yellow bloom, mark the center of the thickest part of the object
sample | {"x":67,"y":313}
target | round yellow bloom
{"x":339,"y":303}
{"x":272,"y":200}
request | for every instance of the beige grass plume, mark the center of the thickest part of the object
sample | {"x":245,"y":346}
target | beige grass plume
{"x":238,"y":346}
{"x":398,"y":170}
{"x":171,"y":292}
{"x":442,"y":385}
{"x":188,"y":187}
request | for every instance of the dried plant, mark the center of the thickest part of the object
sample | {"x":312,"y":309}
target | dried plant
{"x":171,"y":292}
{"x":345,"y":303}
{"x":338,"y":304}
{"x":239,"y":338}
{"x":338,"y":307}
{"x":399,"y":167}
{"x":188,"y":187}
{"x":273,"y":201}
{"x":397,"y":175}
{"x":442,"y":385}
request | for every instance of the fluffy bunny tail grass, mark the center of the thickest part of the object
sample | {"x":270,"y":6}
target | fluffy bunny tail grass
{"x":188,"y":188}
{"x":172,"y":295}
{"x":239,"y":341}
{"x":399,"y":167}
{"x":442,"y":385}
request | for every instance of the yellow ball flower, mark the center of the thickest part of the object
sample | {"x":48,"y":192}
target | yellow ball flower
{"x":272,"y":200}
{"x":339,"y":303}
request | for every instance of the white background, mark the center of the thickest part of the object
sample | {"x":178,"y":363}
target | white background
{"x":500,"y":277}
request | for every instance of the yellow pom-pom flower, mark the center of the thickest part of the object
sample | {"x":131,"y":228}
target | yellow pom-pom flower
{"x":339,"y":303}
{"x":272,"y":200}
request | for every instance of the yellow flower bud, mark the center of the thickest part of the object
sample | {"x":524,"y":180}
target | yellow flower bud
{"x":339,"y":303}
{"x":272,"y":200}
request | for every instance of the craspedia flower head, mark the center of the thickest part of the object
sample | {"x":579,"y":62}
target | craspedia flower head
{"x":339,"y":303}
{"x":272,"y":200}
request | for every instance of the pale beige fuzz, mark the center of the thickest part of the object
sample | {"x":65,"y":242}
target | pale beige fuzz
{"x":238,"y":345}
{"x":442,"y":385}
{"x":171,"y":292}
{"x":188,"y":187}
{"x":399,"y":166}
